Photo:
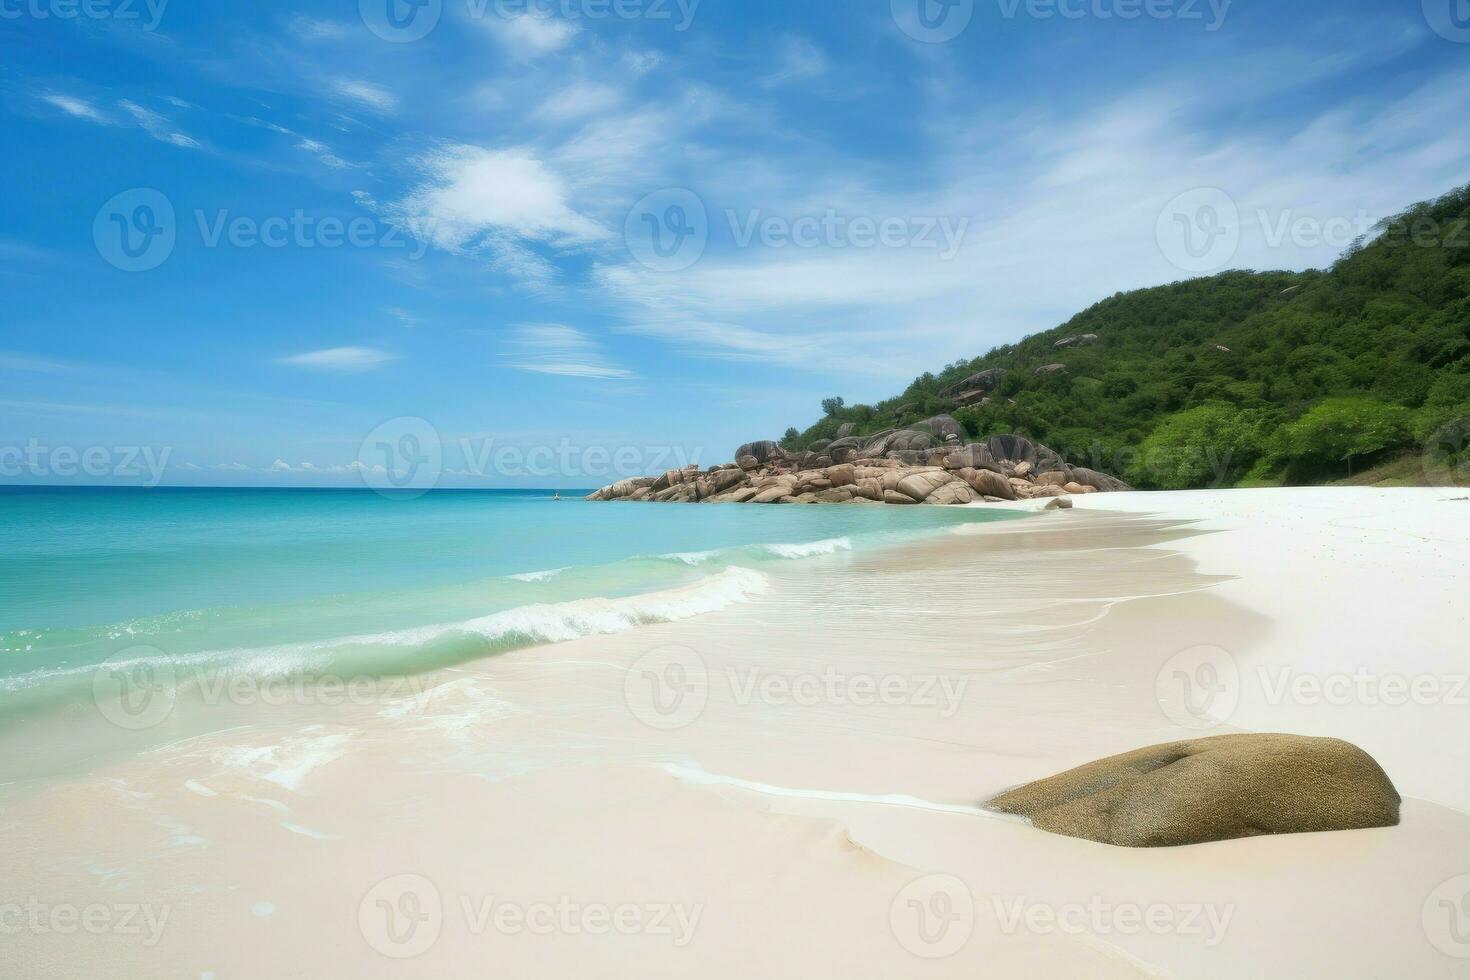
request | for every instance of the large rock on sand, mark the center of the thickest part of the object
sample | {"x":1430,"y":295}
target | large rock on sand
{"x":1212,"y":789}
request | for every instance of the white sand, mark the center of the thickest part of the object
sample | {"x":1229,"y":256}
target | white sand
{"x":808,"y":808}
{"x":1368,"y":592}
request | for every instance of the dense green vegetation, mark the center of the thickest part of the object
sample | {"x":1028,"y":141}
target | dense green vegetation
{"x":1243,"y":378}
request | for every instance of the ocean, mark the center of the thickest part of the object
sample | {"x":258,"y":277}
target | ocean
{"x":173,"y":586}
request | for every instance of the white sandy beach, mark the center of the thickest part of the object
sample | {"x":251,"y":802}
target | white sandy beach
{"x":790,"y":786}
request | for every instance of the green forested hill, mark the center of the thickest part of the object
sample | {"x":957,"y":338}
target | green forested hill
{"x":1244,"y":377}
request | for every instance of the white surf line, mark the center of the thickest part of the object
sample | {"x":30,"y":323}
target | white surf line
{"x":698,"y":776}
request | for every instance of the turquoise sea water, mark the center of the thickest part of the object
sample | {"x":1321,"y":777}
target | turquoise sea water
{"x":275,"y":583}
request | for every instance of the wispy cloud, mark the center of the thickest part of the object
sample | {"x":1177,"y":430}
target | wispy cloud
{"x":366,"y":93}
{"x":17,"y":361}
{"x":797,"y":59}
{"x":324,"y":153}
{"x":556,"y":349}
{"x":406,"y":317}
{"x":312,"y":29}
{"x":341,"y":360}
{"x":156,"y":125}
{"x":75,"y":107}
{"x":577,"y":101}
{"x":530,"y":35}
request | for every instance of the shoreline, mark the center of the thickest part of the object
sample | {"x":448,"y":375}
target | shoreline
{"x":548,"y":771}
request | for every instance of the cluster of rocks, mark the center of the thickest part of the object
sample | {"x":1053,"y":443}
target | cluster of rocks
{"x":926,"y":464}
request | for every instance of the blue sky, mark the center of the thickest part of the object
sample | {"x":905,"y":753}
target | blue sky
{"x":256,"y":243}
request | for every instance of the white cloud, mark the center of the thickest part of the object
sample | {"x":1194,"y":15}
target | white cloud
{"x":232,"y":467}
{"x":406,"y":317}
{"x":322,"y":152}
{"x":797,"y":60}
{"x":556,"y":349}
{"x":1062,"y":212}
{"x":373,"y":96}
{"x":17,"y":361}
{"x":576,"y":101}
{"x":530,"y":35}
{"x":341,"y":360}
{"x":473,"y":197}
{"x":156,"y":125}
{"x":77,"y":108}
{"x":311,"y":29}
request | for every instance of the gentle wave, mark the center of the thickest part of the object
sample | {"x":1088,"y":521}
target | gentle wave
{"x":809,"y":549}
{"x":537,"y":576}
{"x":422,"y":648}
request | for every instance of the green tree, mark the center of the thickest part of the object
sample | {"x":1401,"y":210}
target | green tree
{"x":831,"y":406}
{"x":1339,"y":430}
{"x":1209,"y":446}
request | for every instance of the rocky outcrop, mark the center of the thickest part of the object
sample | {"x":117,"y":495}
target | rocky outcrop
{"x":924,"y":464}
{"x":1212,"y":789}
{"x":1081,"y":340}
{"x":762,"y":452}
{"x":983,"y":381}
